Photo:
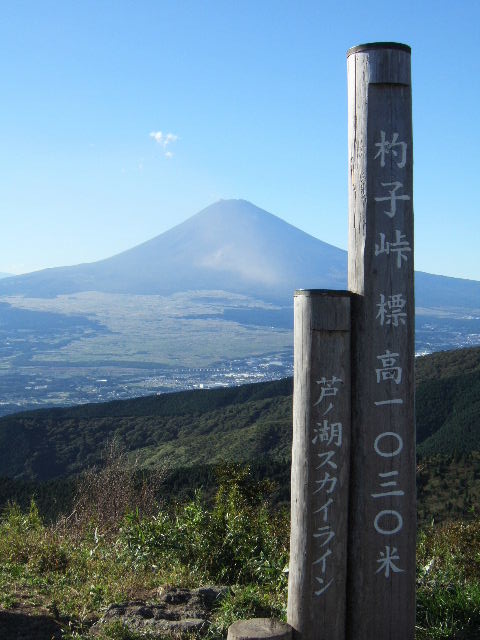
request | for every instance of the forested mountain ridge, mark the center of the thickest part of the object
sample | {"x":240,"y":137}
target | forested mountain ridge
{"x":241,"y":424}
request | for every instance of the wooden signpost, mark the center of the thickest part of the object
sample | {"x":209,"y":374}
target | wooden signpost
{"x":358,"y":582}
{"x":381,"y":579}
{"x":320,"y":465}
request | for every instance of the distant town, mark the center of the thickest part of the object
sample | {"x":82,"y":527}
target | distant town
{"x":36,"y":387}
{"x":64,"y":386}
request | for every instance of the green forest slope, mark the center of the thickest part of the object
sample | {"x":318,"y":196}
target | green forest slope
{"x":242,"y":424}
{"x":178,"y":429}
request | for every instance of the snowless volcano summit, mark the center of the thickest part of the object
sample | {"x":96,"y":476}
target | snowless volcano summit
{"x":231,"y":245}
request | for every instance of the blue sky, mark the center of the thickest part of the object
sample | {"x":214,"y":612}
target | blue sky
{"x":254,"y":95}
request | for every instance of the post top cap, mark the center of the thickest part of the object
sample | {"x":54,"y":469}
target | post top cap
{"x":379,"y":45}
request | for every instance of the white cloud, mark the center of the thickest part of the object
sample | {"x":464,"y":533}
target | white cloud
{"x":164,"y":139}
{"x":170,"y":137}
{"x":157,"y":136}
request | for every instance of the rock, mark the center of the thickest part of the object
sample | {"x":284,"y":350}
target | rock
{"x":25,"y":625}
{"x":175,"y":612}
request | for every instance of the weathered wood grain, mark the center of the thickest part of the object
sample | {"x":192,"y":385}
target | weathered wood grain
{"x":320,"y":465}
{"x":382,"y":531}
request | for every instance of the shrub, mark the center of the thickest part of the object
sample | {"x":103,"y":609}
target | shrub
{"x":448,"y":581}
{"x":104,"y":495}
{"x":24,"y":540}
{"x":238,"y":541}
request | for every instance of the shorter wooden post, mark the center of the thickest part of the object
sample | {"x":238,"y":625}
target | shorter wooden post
{"x":259,"y":629}
{"x":320,"y":465}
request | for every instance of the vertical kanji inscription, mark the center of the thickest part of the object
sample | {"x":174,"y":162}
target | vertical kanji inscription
{"x":320,"y":465}
{"x":381,"y":590}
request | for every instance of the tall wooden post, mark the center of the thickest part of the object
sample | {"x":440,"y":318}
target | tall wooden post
{"x":381,"y":569}
{"x":320,"y":465}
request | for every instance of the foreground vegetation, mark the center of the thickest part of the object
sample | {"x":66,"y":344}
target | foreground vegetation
{"x":448,"y":582}
{"x":119,"y":544}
